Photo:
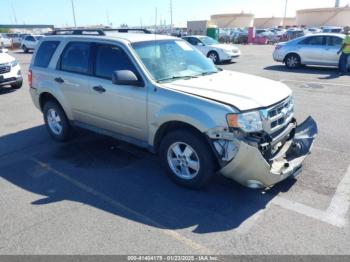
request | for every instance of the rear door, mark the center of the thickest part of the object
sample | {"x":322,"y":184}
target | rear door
{"x":333,"y":44}
{"x":198,"y":44}
{"x":311,"y":50}
{"x":73,"y":78}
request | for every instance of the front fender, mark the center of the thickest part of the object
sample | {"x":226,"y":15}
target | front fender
{"x":188,"y":114}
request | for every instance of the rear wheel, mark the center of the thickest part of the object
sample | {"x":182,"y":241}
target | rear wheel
{"x":187,"y":158}
{"x":56,"y":121}
{"x":293,"y":61}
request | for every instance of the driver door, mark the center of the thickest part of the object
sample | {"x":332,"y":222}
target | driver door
{"x":118,"y":108}
{"x":198,"y":44}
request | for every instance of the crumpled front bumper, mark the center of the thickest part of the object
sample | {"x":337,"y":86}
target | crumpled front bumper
{"x":251,"y":169}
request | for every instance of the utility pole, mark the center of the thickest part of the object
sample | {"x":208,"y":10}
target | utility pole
{"x":171,"y":15}
{"x":14,"y":13}
{"x":285,"y":12}
{"x":73,"y":10}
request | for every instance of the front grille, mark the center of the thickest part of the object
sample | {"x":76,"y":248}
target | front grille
{"x":278,"y":116}
{"x":5,"y":69}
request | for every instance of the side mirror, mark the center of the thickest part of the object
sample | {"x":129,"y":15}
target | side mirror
{"x":200,"y":44}
{"x":126,"y":77}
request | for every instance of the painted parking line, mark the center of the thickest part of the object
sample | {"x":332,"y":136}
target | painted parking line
{"x":335,"y":214}
{"x":337,"y":211}
{"x":312,"y":82}
{"x":340,"y":203}
{"x":175,"y":235}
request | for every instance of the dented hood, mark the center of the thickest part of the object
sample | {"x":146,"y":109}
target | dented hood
{"x":242,"y":91}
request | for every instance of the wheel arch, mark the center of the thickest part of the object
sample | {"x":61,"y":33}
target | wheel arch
{"x":169,"y":126}
{"x":47,"y":96}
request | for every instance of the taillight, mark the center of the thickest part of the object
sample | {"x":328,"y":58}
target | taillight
{"x":30,"y":78}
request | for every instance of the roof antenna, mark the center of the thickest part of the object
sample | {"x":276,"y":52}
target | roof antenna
{"x":155,"y":33}
{"x":155,"y":40}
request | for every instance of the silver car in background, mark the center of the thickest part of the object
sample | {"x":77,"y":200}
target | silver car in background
{"x":316,"y":49}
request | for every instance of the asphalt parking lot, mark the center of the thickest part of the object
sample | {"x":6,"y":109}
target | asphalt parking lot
{"x":95,"y":195}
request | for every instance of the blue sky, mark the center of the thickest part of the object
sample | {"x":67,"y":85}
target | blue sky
{"x":131,"y":12}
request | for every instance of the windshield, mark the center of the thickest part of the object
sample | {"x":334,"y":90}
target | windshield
{"x":168,"y":60}
{"x":208,"y":40}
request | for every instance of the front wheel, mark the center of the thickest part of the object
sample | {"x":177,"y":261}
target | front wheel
{"x":214,"y":56}
{"x":17,"y":85}
{"x":25,"y":49}
{"x":293,"y":61}
{"x":187,"y":158}
{"x":56,"y":121}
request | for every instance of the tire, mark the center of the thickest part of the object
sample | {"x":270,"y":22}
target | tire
{"x":214,"y":56}
{"x":199,"y":160}
{"x":58,"y":128}
{"x":25,"y":49}
{"x":17,"y":85}
{"x":293,"y":61}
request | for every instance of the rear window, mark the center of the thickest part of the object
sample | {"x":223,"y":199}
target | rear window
{"x":45,"y":53}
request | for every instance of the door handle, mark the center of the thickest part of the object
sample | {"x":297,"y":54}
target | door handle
{"x":59,"y":80}
{"x":99,"y":89}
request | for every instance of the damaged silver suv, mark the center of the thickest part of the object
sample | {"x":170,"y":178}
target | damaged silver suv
{"x":160,"y":93}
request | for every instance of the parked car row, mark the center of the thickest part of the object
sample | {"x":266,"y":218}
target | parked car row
{"x":273,"y":35}
{"x":27,"y":42}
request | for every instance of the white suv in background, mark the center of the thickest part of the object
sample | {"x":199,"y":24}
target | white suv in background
{"x":5,"y":41}
{"x":213,"y":49}
{"x":10,"y":71}
{"x":30,"y":42}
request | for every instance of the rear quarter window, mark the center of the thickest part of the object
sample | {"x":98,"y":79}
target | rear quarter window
{"x":45,"y":53}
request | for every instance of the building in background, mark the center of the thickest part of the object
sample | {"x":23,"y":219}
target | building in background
{"x":324,"y":17}
{"x":198,"y":27}
{"x":233,"y":20}
{"x":270,"y":22}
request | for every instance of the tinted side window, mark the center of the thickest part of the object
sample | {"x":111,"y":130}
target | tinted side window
{"x":30,"y":38}
{"x":45,"y":53}
{"x":193,"y":40}
{"x":334,"y":41}
{"x":76,"y":58}
{"x":316,"y":40}
{"x":111,"y":58}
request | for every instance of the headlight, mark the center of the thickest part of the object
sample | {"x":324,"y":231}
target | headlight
{"x":248,"y":122}
{"x":14,"y":63}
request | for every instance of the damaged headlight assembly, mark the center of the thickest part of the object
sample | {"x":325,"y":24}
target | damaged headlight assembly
{"x":248,"y":122}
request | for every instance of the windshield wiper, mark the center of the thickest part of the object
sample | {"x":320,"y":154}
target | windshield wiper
{"x":209,"y":73}
{"x":176,"y":78}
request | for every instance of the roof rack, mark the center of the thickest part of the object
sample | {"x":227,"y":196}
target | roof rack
{"x":127,"y":30}
{"x":87,"y":31}
{"x":96,"y":32}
